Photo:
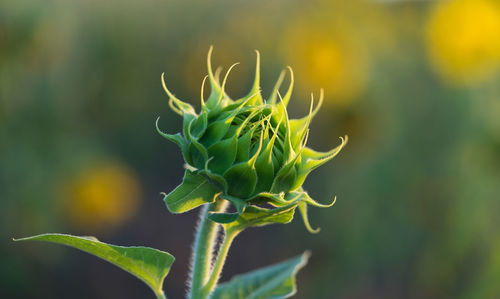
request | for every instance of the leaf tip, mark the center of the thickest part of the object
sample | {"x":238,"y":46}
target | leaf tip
{"x":20,"y":239}
{"x":304,"y":259}
{"x":306,"y":255}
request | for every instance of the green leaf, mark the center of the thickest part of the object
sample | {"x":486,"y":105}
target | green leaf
{"x":200,"y":125}
{"x":241,"y":179}
{"x":238,"y":203}
{"x":223,"y":217}
{"x":194,"y":191}
{"x":243,"y":153}
{"x":223,"y":154}
{"x":215,"y":131}
{"x":257,"y":216}
{"x":312,"y":159}
{"x":299,"y":127}
{"x":254,"y":93}
{"x":148,"y":264}
{"x":285,"y":178}
{"x":274,"y":93}
{"x":276,"y":281}
{"x":265,"y":170}
{"x":175,"y":138}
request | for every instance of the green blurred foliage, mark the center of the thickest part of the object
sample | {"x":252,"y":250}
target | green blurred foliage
{"x":418,"y":185}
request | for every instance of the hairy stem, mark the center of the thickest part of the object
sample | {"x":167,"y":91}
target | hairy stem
{"x":219,"y":263}
{"x":204,"y":243}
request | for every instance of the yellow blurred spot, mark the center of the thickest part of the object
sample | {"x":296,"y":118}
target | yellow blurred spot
{"x":102,"y":198}
{"x":463,"y":40}
{"x":327,"y":57}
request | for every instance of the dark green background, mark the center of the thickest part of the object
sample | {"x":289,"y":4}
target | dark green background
{"x":418,"y":185}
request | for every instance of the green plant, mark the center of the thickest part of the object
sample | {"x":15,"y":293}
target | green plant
{"x":246,"y":153}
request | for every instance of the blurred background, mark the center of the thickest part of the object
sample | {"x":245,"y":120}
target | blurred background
{"x":415,"y":85}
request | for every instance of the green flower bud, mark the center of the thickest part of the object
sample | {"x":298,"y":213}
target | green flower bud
{"x":246,"y":151}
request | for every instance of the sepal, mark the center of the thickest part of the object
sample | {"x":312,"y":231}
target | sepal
{"x":195,"y":190}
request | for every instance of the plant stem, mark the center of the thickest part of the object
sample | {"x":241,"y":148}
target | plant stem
{"x":219,"y":263}
{"x":202,"y":257}
{"x":161,"y":295}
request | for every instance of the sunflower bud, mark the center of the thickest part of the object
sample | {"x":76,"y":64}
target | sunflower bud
{"x":246,"y":151}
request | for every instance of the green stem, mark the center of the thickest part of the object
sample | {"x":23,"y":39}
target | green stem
{"x":219,"y":263}
{"x":161,"y":295}
{"x":203,"y":249}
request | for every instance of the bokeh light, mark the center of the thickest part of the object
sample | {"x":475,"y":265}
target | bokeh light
{"x":462,"y":40}
{"x":100,"y":198}
{"x":329,"y":57}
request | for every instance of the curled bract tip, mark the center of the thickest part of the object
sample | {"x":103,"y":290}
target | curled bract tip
{"x":165,"y":86}
{"x":190,"y":167}
{"x":202,"y":96}
{"x":305,"y":219}
{"x":288,"y":94}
